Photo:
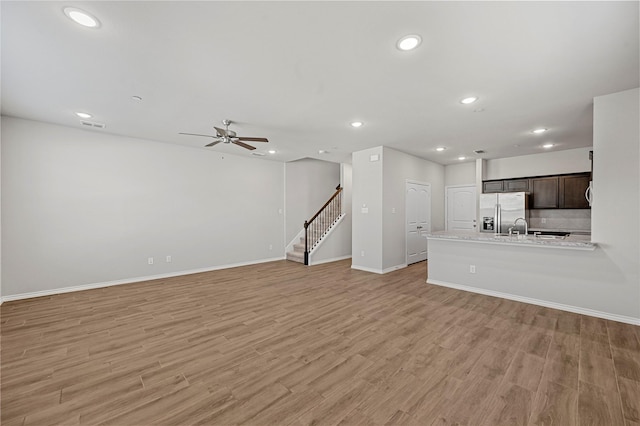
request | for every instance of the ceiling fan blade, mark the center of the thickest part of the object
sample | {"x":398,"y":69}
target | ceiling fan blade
{"x":213,"y":143}
{"x":196,"y":134}
{"x":244,"y":145}
{"x":253,"y":139}
{"x":231,"y":133}
{"x":221,"y":132}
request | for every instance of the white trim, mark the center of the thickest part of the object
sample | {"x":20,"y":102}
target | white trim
{"x":417,"y":182}
{"x":539,"y":302}
{"x":366,"y":269}
{"x":406,"y":213}
{"x":130,"y":280}
{"x":329,"y":232}
{"x":284,"y":208}
{"x":395,"y":268}
{"x":467,"y":185}
{"x":379,"y":271}
{"x":446,"y":202}
{"x":333,"y":259}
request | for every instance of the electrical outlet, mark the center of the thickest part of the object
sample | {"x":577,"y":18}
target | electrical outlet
{"x":362,"y":253}
{"x":270,"y":246}
{"x":472,"y":269}
{"x":150,"y":261}
{"x":543,"y":220}
{"x":168,"y":259}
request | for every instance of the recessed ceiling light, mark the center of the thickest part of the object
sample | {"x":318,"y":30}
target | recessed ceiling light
{"x":81,"y":17}
{"x":323,"y":151}
{"x":469,"y":100}
{"x":538,"y":131}
{"x":356,"y":124}
{"x":137,"y":98}
{"x":462,"y":157}
{"x":440,"y":148}
{"x":409,"y":42}
{"x":547,"y":145}
{"x":84,"y":115}
{"x":272,"y":151}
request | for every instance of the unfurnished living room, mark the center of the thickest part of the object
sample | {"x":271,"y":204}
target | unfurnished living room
{"x":307,"y":212}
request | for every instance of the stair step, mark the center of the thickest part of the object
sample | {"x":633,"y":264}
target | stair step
{"x":295,"y":257}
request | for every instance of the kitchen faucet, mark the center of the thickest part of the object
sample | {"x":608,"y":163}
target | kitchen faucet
{"x":526,"y":225}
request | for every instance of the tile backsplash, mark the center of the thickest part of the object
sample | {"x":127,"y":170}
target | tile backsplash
{"x":565,"y":219}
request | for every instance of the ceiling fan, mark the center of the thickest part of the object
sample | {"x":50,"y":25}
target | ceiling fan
{"x":229,"y":136}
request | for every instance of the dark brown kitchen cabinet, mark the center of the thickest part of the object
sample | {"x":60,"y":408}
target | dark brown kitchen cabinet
{"x":572,"y":190}
{"x":545,"y":192}
{"x":516,"y":185}
{"x":489,"y":186}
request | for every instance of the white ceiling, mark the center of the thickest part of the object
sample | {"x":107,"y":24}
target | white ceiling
{"x":299,"y":72}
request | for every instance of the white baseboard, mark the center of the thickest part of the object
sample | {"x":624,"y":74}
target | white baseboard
{"x":333,"y":259}
{"x":539,"y":302}
{"x":379,"y":271}
{"x":129,"y":280}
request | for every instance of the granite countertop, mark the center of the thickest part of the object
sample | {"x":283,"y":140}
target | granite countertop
{"x":572,"y":231}
{"x":574,"y":242}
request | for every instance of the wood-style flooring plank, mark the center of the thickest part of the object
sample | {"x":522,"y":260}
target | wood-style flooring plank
{"x":279,"y":343}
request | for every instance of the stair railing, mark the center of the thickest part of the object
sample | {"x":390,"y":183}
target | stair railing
{"x":317,"y":226}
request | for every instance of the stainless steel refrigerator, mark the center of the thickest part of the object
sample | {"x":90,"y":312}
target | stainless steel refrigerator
{"x":499,"y":211}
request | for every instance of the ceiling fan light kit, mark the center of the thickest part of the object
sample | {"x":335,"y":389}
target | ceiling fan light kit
{"x":229,"y":136}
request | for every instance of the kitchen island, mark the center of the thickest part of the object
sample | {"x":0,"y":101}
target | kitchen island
{"x":572,"y":242}
{"x":565,"y":273}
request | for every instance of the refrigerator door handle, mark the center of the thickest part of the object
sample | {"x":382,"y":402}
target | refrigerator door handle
{"x":497,"y":219}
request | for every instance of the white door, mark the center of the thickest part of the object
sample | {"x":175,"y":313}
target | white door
{"x":418,"y":210}
{"x":461,"y":208}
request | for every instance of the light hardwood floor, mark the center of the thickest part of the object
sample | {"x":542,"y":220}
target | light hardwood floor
{"x":280,"y":343}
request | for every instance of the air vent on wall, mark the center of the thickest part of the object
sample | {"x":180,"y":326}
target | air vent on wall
{"x":92,"y":124}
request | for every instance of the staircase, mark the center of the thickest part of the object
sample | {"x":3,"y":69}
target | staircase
{"x":297,"y":255}
{"x":316,"y":228}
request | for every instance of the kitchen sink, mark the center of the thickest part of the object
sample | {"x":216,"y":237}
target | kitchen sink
{"x":541,"y":234}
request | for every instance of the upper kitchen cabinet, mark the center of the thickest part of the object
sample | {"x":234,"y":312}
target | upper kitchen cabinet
{"x":516,"y":185}
{"x":489,"y":186}
{"x":547,"y":192}
{"x":544,"y":193}
{"x":505,"y":185}
{"x":572,"y":191}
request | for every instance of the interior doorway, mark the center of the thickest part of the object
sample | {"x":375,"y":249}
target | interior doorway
{"x":460,"y":206}
{"x":418,"y":220}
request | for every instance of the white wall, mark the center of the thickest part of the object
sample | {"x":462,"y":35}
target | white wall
{"x":587,"y":282}
{"x":604,"y":282}
{"x":615,"y":210}
{"x":367,"y":194}
{"x":546,"y":163}
{"x":83,"y":207}
{"x":460,"y":174}
{"x":1,"y":292}
{"x":337,"y":245}
{"x":399,"y":167}
{"x":309,"y":183}
{"x":379,"y":186}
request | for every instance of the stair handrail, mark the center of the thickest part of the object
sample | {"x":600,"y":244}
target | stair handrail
{"x":307,"y":223}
